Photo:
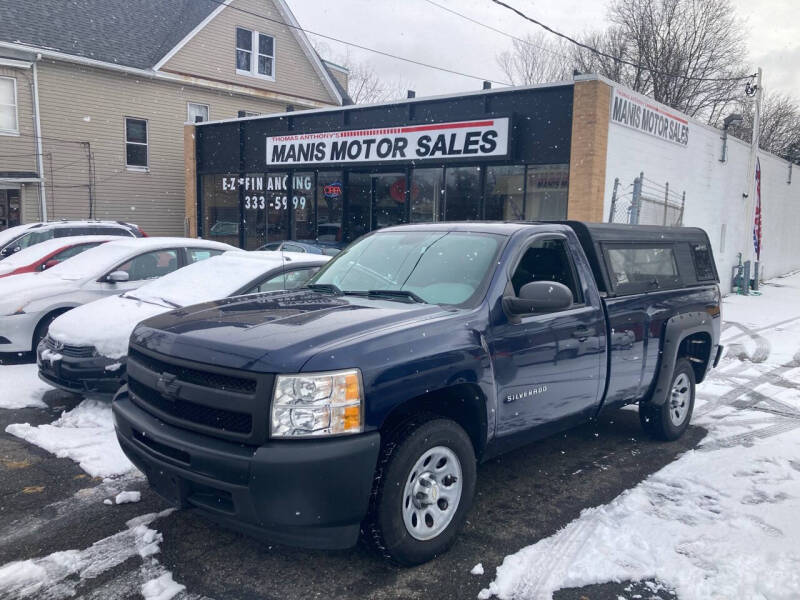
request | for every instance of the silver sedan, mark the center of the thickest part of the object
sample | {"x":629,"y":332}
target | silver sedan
{"x":30,"y":302}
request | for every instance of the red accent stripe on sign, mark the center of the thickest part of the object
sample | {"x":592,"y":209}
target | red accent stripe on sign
{"x":446,"y":126}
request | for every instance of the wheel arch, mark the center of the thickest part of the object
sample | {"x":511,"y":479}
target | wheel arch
{"x":465,"y":403}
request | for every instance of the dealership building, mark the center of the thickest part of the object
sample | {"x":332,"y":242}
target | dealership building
{"x":586,"y":149}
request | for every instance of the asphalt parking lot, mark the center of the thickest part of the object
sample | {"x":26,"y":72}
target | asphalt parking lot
{"x":48,"y":504}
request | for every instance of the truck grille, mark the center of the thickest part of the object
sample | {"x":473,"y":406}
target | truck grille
{"x":217,"y":401}
{"x":225,"y":420}
{"x":217,"y":381}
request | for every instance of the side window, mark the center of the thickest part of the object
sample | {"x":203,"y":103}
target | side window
{"x":33,"y":238}
{"x":639,"y":269}
{"x":151,"y":265}
{"x":293,"y":248}
{"x":703,"y":262}
{"x":108,"y":231}
{"x":547,"y":260}
{"x":284,"y":281}
{"x":70,"y":252}
{"x":198,"y":254}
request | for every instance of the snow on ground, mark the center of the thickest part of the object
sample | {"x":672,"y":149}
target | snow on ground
{"x":85,"y":434}
{"x":161,"y":588}
{"x":125,"y":497}
{"x":20,"y":387}
{"x":721,"y":521}
{"x":59,"y":575}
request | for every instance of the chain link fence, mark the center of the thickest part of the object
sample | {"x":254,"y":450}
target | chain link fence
{"x":646,"y":202}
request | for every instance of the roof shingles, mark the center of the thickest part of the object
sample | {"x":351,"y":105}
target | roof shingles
{"x":132,"y":33}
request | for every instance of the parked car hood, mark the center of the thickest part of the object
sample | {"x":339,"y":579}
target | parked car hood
{"x":105,"y":324}
{"x":275,"y":332}
{"x":17,"y":291}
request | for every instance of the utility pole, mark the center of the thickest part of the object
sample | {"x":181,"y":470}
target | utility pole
{"x":750,"y":190}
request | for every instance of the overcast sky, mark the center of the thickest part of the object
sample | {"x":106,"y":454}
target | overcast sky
{"x":418,"y":30}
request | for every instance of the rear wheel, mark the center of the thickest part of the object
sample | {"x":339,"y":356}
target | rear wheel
{"x":424,"y":486}
{"x":669,"y":420}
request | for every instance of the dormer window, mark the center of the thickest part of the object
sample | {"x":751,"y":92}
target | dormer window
{"x":255,"y":54}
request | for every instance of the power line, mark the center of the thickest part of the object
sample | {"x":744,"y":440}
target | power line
{"x":496,"y":30}
{"x":612,"y":57}
{"x":359,"y":46}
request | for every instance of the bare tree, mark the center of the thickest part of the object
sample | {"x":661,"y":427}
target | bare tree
{"x":536,"y":59}
{"x":364,"y":84}
{"x":688,"y":52}
{"x":780,"y":125}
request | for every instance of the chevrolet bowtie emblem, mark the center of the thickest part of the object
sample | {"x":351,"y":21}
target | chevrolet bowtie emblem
{"x":168,"y":386}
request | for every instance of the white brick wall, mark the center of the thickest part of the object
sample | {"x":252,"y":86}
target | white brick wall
{"x":714,"y":192}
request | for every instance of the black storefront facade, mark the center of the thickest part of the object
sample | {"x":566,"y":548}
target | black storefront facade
{"x":335,"y":174}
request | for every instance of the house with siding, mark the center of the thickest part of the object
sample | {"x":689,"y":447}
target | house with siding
{"x":94,"y":95}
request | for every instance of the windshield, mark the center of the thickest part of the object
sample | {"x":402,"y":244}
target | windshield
{"x":438,"y":267}
{"x":211,"y":279}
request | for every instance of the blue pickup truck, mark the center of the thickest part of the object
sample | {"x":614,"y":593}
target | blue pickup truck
{"x":361,"y":404}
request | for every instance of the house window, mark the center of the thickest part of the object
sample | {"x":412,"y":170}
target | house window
{"x":136,"y":143}
{"x":8,"y":105}
{"x":255,"y":54}
{"x":197,"y":113}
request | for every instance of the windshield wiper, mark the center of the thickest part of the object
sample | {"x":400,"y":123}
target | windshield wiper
{"x":325,"y":287}
{"x":397,"y":295}
{"x":164,"y":300}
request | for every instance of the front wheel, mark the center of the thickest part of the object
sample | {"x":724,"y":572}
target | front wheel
{"x":669,"y":420}
{"x":424,"y":486}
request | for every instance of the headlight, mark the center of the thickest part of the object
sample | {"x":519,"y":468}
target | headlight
{"x":317,"y":404}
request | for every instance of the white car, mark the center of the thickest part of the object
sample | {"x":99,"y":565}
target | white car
{"x":31,"y":301}
{"x":85,"y":349}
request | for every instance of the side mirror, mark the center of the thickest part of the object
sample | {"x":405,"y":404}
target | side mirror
{"x":50,"y":263}
{"x":539,"y":296}
{"x":117,"y":277}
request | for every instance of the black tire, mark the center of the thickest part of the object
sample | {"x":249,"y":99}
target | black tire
{"x":41,"y":328}
{"x":668,"y":421}
{"x":384,"y":528}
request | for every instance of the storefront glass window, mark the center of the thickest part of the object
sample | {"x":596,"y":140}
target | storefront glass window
{"x":390,"y":199}
{"x":303,"y":205}
{"x":357,"y":215}
{"x":220,"y":202}
{"x":463,"y":193}
{"x":254,"y":204}
{"x":427,"y":195}
{"x":330,"y":195}
{"x":546,"y":192}
{"x":505,"y":193}
{"x":278,"y":204}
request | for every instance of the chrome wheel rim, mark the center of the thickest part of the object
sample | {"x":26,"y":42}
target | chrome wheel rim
{"x":432,"y":493}
{"x":679,"y":399}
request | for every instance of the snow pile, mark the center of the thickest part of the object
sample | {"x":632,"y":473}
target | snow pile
{"x":85,"y":434}
{"x":20,"y":387}
{"x":721,"y":521}
{"x":161,"y":588}
{"x":60,"y":574}
{"x":125,"y":497}
{"x":477,"y":569}
{"x":107,"y":324}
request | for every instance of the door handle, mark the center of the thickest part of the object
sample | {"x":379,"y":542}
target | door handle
{"x":583,"y":332}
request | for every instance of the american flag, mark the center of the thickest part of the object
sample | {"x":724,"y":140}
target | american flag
{"x":757,"y":222}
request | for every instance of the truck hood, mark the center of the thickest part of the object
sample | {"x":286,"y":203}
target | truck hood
{"x":276,"y":332}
